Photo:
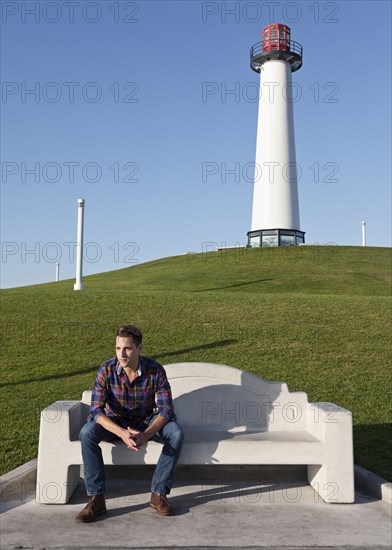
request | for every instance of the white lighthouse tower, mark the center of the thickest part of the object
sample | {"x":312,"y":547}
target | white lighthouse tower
{"x":275,"y":215}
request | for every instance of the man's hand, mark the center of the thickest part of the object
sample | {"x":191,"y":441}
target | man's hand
{"x":128,"y":436}
{"x":141,"y":439}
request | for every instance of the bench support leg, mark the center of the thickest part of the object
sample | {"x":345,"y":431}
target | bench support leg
{"x":335,"y":484}
{"x":59,"y":491}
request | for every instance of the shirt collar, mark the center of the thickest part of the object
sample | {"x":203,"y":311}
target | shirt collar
{"x":119,"y":368}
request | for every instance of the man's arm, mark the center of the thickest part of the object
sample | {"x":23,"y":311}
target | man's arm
{"x":164,"y":399}
{"x":143,"y":437}
{"x":127,"y":435}
{"x":165,"y":407}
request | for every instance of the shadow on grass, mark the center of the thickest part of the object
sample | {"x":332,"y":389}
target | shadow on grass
{"x":51,"y":377}
{"x":372,"y":444}
{"x":94,"y":368}
{"x":232,"y":286}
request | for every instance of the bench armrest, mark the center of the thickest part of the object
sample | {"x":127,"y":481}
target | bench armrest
{"x":62,"y":419}
{"x":59,"y":451}
{"x":325,"y":419}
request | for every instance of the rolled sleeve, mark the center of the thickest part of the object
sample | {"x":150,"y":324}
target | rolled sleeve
{"x":164,"y":396}
{"x":99,"y":395}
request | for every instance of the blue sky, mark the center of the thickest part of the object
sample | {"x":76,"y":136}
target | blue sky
{"x":133,"y":102}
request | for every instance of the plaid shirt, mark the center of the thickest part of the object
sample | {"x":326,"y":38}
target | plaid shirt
{"x":132,"y":403}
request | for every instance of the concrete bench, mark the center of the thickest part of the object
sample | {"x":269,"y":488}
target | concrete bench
{"x":229,"y":417}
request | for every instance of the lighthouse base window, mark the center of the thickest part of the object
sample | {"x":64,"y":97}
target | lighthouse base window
{"x":275,"y":237}
{"x":270,"y":238}
{"x":287,"y":239}
{"x":254,"y":241}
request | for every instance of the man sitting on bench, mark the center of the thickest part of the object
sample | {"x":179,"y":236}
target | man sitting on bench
{"x":131,"y":400}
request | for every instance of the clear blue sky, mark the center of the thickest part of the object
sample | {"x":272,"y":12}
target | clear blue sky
{"x":139,"y":91}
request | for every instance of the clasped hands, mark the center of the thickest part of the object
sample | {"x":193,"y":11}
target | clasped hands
{"x":134,"y":439}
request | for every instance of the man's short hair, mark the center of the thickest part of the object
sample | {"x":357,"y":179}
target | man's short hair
{"x":130,"y":331}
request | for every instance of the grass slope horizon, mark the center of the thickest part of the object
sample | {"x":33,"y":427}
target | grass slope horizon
{"x":317,"y":318}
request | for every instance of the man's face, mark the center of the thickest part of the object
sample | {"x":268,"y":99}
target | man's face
{"x":127,"y":352}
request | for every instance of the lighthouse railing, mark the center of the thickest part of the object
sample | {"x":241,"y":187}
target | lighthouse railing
{"x":283,"y":45}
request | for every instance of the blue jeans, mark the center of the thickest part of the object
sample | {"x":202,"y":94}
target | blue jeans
{"x":171,"y":436}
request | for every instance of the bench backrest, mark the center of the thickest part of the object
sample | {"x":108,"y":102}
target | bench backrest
{"x":208,"y":396}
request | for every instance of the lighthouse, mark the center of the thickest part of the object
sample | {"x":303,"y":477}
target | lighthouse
{"x":275,"y":214}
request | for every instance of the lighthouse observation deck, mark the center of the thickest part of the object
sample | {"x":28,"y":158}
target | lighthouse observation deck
{"x":276,"y":44}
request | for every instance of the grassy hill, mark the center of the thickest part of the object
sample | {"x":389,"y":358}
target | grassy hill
{"x":315,"y":317}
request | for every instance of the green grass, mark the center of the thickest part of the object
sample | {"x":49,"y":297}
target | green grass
{"x":317,"y":318}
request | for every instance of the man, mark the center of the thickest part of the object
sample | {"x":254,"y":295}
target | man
{"x":131,"y":400}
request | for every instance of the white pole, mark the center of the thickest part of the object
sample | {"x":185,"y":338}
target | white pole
{"x":363,"y":233}
{"x":57,"y":272}
{"x":79,"y":247}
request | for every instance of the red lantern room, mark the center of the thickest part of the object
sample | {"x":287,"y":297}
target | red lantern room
{"x":276,"y":43}
{"x":276,"y":37}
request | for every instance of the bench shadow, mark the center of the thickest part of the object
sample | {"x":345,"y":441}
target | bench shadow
{"x":130,"y":495}
{"x":232,"y":493}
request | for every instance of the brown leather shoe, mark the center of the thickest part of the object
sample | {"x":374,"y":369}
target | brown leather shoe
{"x":95,"y":507}
{"x":161,"y":504}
